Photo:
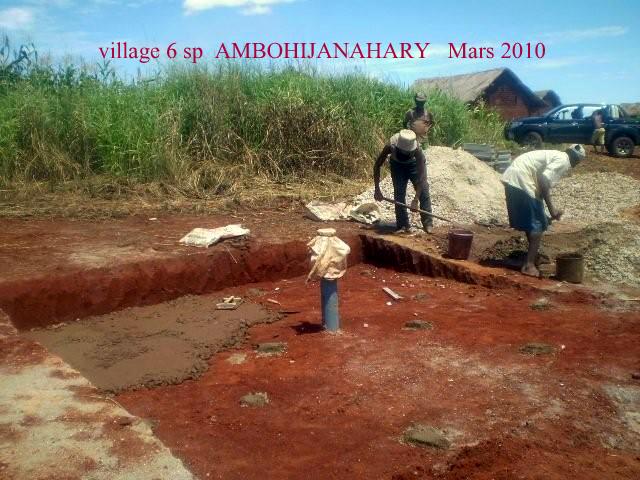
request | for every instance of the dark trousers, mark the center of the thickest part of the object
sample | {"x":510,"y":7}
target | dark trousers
{"x":401,"y":174}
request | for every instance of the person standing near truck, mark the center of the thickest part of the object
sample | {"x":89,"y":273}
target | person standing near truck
{"x":527,"y":182}
{"x":407,"y":163}
{"x":599,"y":131}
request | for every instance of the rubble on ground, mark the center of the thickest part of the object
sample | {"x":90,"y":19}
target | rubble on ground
{"x":592,"y":198}
{"x":613,"y":253}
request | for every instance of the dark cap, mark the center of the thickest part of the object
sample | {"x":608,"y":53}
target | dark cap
{"x":421,"y":97}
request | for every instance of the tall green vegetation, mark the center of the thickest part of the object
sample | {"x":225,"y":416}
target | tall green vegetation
{"x":207,"y":130}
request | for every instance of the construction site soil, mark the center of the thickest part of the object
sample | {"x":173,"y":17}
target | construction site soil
{"x":514,"y":378}
{"x":339,"y":404}
{"x":130,"y":348}
{"x":598,"y":162}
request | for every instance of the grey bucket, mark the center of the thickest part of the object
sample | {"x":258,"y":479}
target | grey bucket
{"x":570,"y":267}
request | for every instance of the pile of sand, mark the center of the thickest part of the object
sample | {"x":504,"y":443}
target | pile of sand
{"x":463,"y":189}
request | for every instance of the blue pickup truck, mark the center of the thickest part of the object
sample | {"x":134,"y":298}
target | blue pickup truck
{"x":573,"y":124}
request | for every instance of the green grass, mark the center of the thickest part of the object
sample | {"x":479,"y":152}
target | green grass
{"x":211,"y":131}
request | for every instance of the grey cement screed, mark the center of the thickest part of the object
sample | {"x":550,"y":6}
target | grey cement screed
{"x":55,"y":431}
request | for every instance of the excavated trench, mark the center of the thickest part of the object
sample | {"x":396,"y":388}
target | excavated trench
{"x":48,"y":300}
{"x":136,"y":315}
{"x":154,"y":324}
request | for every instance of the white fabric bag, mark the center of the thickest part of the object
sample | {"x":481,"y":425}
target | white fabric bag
{"x":326,"y":212}
{"x":205,"y":237}
{"x":328,"y":256}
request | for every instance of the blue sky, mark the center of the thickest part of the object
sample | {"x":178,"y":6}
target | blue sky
{"x":593,"y":47}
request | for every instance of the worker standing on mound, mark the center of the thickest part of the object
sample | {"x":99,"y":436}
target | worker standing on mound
{"x":420,"y":120}
{"x":527,"y":182}
{"x":407,"y":163}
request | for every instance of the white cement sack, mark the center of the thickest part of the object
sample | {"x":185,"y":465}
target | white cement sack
{"x":328,"y":257}
{"x":324,"y":212}
{"x":204,"y":237}
{"x":368,"y":213}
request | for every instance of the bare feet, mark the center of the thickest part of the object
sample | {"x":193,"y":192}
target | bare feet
{"x":530,"y":270}
{"x":541,"y":258}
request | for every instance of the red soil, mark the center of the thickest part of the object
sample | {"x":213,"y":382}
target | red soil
{"x":59,"y":270}
{"x":340,"y":403}
{"x":37,"y":247}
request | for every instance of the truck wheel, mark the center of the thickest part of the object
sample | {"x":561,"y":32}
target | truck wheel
{"x":532,"y":139}
{"x":622,"y":147}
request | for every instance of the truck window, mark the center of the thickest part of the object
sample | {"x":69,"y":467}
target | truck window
{"x":564,"y":113}
{"x":588,"y":110}
{"x":614,"y":111}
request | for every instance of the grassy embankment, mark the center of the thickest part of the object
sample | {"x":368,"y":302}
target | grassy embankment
{"x":232,"y":132}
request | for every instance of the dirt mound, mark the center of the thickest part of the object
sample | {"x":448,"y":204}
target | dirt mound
{"x":463,"y":189}
{"x":493,"y":458}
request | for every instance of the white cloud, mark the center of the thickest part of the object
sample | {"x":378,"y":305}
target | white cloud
{"x":586,"y":34}
{"x":437,"y":50}
{"x":16,"y":18}
{"x":256,"y":10}
{"x":50,"y":3}
{"x":551,"y":63}
{"x":562,"y":62}
{"x":247,"y":7}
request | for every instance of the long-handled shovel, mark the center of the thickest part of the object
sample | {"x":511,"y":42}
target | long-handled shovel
{"x":459,"y":238}
{"x":417,"y":210}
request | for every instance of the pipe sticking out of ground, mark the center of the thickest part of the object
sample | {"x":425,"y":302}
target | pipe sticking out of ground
{"x":329,"y":302}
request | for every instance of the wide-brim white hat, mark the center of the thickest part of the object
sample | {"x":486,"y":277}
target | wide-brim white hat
{"x":407,"y":141}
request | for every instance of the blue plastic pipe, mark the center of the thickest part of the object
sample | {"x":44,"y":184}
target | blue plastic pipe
{"x":329,"y":300}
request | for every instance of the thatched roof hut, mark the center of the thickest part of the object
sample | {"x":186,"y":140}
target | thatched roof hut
{"x":499,"y":88}
{"x":551,"y":98}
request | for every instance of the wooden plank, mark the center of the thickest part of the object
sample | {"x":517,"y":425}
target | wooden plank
{"x":391,"y":293}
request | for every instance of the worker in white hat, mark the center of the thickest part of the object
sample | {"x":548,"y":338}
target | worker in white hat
{"x":407,"y":163}
{"x":527,"y":182}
